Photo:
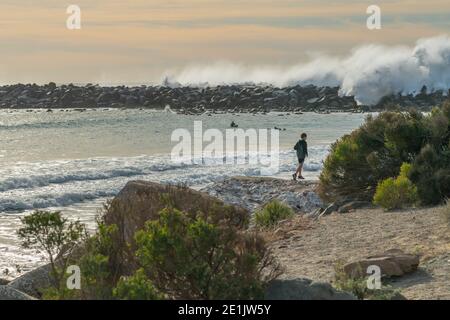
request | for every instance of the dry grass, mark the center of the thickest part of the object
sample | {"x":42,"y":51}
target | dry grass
{"x":287,"y":229}
{"x":314,"y":250}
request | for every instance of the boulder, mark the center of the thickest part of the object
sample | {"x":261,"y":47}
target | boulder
{"x":304,"y":289}
{"x":32,"y":283}
{"x":141,"y":201}
{"x":393,"y":263}
{"x":9,"y":293}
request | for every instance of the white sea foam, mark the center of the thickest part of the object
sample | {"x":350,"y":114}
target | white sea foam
{"x":368,"y":73}
{"x":48,"y":184}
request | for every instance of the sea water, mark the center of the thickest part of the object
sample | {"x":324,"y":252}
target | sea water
{"x":74,"y":161}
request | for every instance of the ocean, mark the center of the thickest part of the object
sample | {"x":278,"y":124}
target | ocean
{"x":74,"y":161}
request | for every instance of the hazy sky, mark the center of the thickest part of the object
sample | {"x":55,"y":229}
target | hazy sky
{"x":138,"y":41}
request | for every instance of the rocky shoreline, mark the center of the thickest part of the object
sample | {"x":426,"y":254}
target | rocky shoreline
{"x":310,"y":243}
{"x":199,"y":100}
{"x":253,"y":192}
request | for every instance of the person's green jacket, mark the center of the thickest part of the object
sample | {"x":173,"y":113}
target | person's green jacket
{"x":302,"y":149}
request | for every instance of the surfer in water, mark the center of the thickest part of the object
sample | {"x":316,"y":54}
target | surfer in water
{"x":301,"y":148}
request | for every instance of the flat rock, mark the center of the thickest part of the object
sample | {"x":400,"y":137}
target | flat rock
{"x":393,"y":263}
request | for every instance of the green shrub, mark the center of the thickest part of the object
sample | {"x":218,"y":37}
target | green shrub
{"x":397,"y":193}
{"x":98,"y":271}
{"x":358,"y":286}
{"x":56,"y":236}
{"x":272,"y":213}
{"x":375,"y":152}
{"x":131,"y":212}
{"x":431,"y":174}
{"x":136,"y":287}
{"x":188,"y":258}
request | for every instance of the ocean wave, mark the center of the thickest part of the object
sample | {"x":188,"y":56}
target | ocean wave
{"x":368,"y":73}
{"x":64,"y":183}
{"x":60,"y":172}
{"x":43,"y":180}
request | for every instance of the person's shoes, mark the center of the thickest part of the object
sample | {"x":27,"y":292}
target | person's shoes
{"x":301,"y":177}
{"x":294,"y":176}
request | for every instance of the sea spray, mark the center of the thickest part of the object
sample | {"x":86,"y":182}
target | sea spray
{"x":369,"y":73}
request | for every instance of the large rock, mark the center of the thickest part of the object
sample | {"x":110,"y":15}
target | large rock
{"x":141,"y":201}
{"x":393,"y":263}
{"x":304,"y":289}
{"x":33,"y":282}
{"x":9,"y":293}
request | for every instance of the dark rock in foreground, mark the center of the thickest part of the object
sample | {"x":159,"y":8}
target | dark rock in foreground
{"x":304,"y":289}
{"x":32,"y":283}
{"x":9,"y":293}
{"x":198,"y":100}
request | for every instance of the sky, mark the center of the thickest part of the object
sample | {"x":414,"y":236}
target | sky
{"x":141,"y":41}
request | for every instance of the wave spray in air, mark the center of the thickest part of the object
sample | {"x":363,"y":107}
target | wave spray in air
{"x":369,"y":73}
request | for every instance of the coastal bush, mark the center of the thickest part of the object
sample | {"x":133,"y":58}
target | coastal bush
{"x":174,"y":255}
{"x":56,"y":236}
{"x":189,"y":258}
{"x":170,"y":242}
{"x":431,"y":174}
{"x":99,"y":272}
{"x":272,"y":213}
{"x":143,"y":201}
{"x":136,"y":287}
{"x":374,"y":152}
{"x":396,"y":193}
{"x":99,"y":275}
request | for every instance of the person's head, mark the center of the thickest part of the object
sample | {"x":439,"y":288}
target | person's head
{"x":304,"y":136}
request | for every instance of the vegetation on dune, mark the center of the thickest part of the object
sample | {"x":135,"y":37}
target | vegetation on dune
{"x":272,"y":213}
{"x":192,"y":259}
{"x":397,"y":193}
{"x":175,"y":255}
{"x":136,"y":287}
{"x":57,"y":237}
{"x":358,"y":162}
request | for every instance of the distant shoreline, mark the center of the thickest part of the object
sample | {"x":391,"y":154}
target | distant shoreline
{"x":199,"y":100}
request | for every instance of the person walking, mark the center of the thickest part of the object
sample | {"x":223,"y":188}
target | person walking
{"x":301,"y":147}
